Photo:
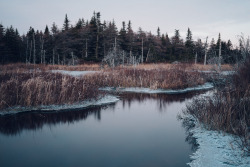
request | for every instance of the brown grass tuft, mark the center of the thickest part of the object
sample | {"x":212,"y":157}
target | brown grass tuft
{"x":43,"y":88}
{"x":160,"y":78}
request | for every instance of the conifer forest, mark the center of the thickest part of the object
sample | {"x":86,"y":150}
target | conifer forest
{"x":91,"y":40}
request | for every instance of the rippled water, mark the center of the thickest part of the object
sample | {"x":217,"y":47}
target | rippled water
{"x":139,"y":130}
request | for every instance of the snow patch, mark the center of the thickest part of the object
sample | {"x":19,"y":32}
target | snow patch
{"x":216,"y":149}
{"x":206,"y":86}
{"x":227,"y":72}
{"x":108,"y":99}
{"x":218,"y":72}
{"x":74,"y":73}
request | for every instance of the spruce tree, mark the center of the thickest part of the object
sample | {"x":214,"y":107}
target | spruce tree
{"x":189,"y":40}
{"x":46,"y":31}
{"x":189,"y":45}
{"x":2,"y":44}
{"x":54,"y":29}
{"x":122,"y":37}
{"x":158,"y":32}
{"x":11,"y":40}
{"x":79,"y":24}
{"x":66,"y":23}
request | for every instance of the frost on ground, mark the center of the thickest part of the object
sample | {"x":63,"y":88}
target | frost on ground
{"x":206,"y":86}
{"x":108,"y":99}
{"x":217,"y":149}
{"x":74,"y":73}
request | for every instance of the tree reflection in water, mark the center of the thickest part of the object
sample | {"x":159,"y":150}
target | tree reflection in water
{"x":14,"y":124}
{"x":163,"y":100}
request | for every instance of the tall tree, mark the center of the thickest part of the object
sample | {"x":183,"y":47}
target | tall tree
{"x":11,"y":39}
{"x":2,"y":44}
{"x":54,"y":29}
{"x":123,"y":37}
{"x":158,"y":32}
{"x":189,"y":44}
{"x":46,"y":31}
{"x":66,"y":23}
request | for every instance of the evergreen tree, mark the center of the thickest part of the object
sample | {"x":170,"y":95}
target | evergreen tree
{"x":189,"y":45}
{"x":189,"y":40}
{"x":199,"y":48}
{"x":2,"y":45}
{"x":54,"y":29}
{"x":122,"y":37}
{"x":176,"y":38}
{"x":130,"y":37}
{"x":66,"y":23}
{"x":46,"y":31}
{"x":218,"y":43}
{"x":79,"y":24}
{"x":158,"y":32}
{"x":11,"y":40}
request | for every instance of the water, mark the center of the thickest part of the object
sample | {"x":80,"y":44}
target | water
{"x":139,"y":130}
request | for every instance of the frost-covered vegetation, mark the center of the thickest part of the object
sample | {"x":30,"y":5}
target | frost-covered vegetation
{"x":228,"y":109}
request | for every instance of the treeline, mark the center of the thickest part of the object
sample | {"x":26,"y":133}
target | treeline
{"x":91,"y":40}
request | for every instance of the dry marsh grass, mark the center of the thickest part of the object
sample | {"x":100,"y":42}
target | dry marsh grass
{"x":187,"y":66}
{"x":160,"y":78}
{"x":34,"y":85}
{"x":42,"y":67}
{"x":43,"y":88}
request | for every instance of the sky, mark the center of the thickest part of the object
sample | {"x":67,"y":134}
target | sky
{"x":203,"y":17}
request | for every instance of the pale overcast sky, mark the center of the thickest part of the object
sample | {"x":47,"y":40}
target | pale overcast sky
{"x":204,"y":17}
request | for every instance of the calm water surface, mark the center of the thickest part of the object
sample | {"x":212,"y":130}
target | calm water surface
{"x":138,"y":131}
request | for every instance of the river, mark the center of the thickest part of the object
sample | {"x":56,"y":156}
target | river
{"x":140,"y":130}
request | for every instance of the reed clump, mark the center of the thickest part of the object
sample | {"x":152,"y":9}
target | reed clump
{"x":160,"y":78}
{"x":43,"y":88}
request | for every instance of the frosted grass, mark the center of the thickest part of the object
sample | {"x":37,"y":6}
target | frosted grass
{"x":108,"y":99}
{"x":206,"y":86}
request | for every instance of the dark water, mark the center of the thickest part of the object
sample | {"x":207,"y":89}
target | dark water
{"x":138,"y":131}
